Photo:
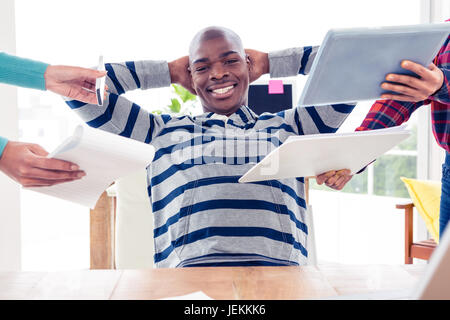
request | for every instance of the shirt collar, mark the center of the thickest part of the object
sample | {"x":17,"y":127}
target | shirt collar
{"x":242,"y":117}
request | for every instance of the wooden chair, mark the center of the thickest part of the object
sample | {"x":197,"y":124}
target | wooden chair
{"x":421,"y":249}
{"x":102,"y":233}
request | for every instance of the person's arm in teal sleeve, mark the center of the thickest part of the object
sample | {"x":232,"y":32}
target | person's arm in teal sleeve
{"x":22,"y":72}
{"x":73,"y":82}
{"x":3,"y":142}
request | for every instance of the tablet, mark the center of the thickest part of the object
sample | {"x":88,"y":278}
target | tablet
{"x":311,"y":155}
{"x":351,"y":64}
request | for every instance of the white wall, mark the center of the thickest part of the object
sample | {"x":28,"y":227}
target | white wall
{"x":10,"y":239}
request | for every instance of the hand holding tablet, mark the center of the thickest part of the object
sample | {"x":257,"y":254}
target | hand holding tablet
{"x":411,"y":88}
{"x":352,"y":64}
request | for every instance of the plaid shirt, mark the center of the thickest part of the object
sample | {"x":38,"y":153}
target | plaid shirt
{"x":390,"y":113}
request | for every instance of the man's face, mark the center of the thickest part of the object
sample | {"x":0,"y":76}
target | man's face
{"x":220,"y":75}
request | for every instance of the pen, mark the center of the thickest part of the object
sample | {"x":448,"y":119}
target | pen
{"x":100,"y":82}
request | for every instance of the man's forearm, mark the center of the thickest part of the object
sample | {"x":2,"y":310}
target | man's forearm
{"x":291,"y":62}
{"x":119,"y":115}
{"x":131,"y":75}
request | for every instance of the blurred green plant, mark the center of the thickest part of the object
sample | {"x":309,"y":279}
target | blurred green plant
{"x":183,"y":102}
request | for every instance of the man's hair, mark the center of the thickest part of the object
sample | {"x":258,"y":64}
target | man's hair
{"x":214,"y":32}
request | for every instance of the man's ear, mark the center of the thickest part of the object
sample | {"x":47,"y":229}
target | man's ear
{"x":249,"y":68}
{"x":193,"y":91}
{"x":249,"y":62}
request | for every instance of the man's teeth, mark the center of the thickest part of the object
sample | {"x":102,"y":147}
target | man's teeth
{"x":223,"y":90}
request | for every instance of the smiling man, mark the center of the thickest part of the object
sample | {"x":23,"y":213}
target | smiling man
{"x":220,"y":70}
{"x":202,"y":215}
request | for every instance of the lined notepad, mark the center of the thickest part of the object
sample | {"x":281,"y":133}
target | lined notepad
{"x":105,"y":157}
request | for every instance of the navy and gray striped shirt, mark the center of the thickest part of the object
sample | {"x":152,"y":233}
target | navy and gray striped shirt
{"x":202,"y":215}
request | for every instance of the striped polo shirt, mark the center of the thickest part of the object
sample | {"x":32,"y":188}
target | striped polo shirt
{"x":202,"y":215}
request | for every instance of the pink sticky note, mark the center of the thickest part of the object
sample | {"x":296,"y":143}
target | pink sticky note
{"x":276,"y":87}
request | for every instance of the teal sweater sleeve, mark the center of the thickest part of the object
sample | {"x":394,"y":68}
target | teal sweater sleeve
{"x":3,"y":142}
{"x":22,"y":72}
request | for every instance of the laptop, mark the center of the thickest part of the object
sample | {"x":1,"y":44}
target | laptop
{"x":434,"y":284}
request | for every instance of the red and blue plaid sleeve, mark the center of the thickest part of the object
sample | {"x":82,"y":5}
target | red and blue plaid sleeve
{"x":389,"y":113}
{"x":442,"y":61}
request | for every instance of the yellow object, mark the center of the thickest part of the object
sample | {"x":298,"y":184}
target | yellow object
{"x":426,"y":196}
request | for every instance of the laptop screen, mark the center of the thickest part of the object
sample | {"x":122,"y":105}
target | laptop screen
{"x":260,"y":101}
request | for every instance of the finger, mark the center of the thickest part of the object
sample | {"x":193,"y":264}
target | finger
{"x":324,"y":176}
{"x":405,"y":90}
{"x":38,"y":173}
{"x":399,"y":97}
{"x":415,"y":67}
{"x":340,"y":183}
{"x":91,"y":73}
{"x":345,"y":172}
{"x":331,"y":181}
{"x":53,"y":164}
{"x":89,"y":85}
{"x":85,"y":95}
{"x":409,"y":81}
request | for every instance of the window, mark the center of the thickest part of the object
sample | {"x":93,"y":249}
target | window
{"x":55,"y":232}
{"x":360,"y":223}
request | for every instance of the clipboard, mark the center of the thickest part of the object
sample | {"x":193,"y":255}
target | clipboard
{"x":311,"y":155}
{"x":105,"y":157}
{"x":351,"y":64}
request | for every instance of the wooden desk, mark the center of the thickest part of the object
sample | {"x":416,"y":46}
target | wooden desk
{"x":246,"y":283}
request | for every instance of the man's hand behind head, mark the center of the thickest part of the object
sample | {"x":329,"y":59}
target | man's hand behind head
{"x":259,"y":63}
{"x":180,"y":74}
